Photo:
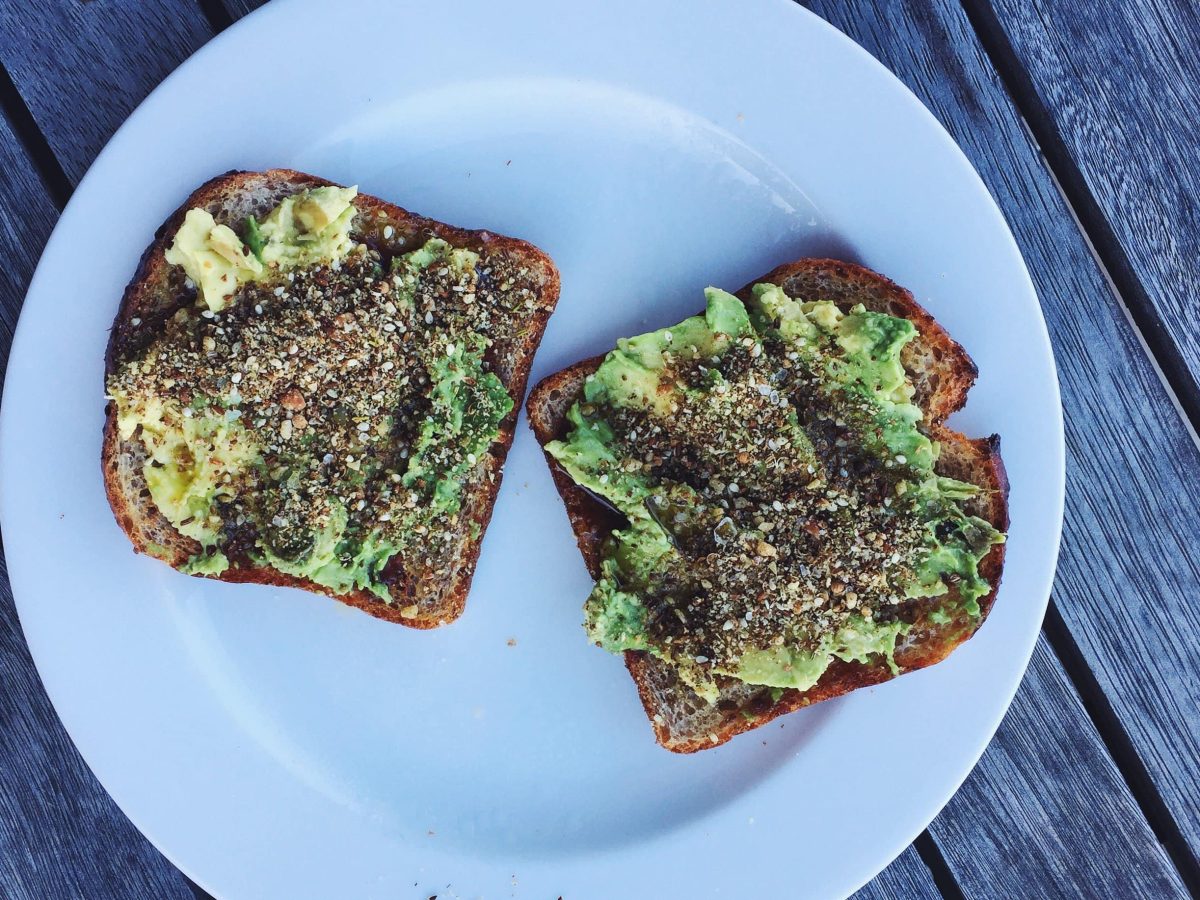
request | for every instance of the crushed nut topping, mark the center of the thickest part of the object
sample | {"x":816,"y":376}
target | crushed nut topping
{"x":343,"y":377}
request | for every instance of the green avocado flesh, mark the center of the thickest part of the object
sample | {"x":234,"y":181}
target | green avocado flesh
{"x":782,"y":505}
{"x":326,"y":415}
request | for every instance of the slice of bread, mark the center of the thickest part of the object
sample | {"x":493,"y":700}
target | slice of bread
{"x":942,"y":374}
{"x":159,"y":289}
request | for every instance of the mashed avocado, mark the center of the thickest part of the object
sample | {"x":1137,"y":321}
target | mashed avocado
{"x":323,"y":406}
{"x":782,"y":505}
{"x":213,"y":257}
{"x":213,"y":563}
{"x":306,"y":228}
{"x":310,"y":227}
{"x":191,"y":458}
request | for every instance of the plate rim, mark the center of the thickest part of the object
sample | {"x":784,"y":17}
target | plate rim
{"x":260,"y":18}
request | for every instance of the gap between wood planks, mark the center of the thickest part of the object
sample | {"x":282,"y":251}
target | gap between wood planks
{"x":199,"y":892}
{"x":939,"y":869}
{"x":1128,"y":289}
{"x":217,"y":15}
{"x":1121,"y":749}
{"x":1114,"y":263}
{"x":1188,"y":424}
{"x":55,"y":180}
{"x":1093,"y":223}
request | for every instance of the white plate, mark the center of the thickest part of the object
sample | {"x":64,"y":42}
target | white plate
{"x":277,"y":744}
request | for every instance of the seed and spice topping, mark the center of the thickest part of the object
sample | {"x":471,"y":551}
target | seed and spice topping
{"x":328,"y":418}
{"x":781,"y":501}
{"x":775,"y":540}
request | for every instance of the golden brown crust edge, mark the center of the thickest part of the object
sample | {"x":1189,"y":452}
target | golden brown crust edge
{"x":975,"y":460}
{"x":153,"y":273}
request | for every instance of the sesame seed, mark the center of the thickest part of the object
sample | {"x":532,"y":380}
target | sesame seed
{"x":308,"y":351}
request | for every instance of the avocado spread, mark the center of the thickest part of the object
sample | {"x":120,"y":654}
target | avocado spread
{"x":309,"y":227}
{"x":780,"y":495}
{"x":325,"y":398}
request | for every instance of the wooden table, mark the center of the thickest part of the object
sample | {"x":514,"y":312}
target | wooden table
{"x":1082,"y":119}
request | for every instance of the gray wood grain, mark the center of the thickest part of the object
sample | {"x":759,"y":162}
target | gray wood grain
{"x":1128,"y":574}
{"x":1120,"y":83}
{"x":82,"y":67}
{"x":1028,"y":813}
{"x":930,"y":71}
{"x":60,"y":833}
{"x":907,"y":877}
{"x":26,"y":217}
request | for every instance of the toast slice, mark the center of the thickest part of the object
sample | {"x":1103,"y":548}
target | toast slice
{"x":941,"y":373}
{"x":518,"y":287}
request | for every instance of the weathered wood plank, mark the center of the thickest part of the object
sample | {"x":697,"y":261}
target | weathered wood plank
{"x":233,"y":4}
{"x":1119,"y":82}
{"x":907,"y":877}
{"x":25,"y":223}
{"x":1088,"y":836}
{"x":1128,"y":574}
{"x":82,"y":67}
{"x":60,"y":833}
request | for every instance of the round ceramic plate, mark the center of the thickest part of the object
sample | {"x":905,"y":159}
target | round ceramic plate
{"x":277,"y":744}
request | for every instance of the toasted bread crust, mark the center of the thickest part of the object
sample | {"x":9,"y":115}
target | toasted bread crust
{"x":157,"y":290}
{"x":932,"y":353}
